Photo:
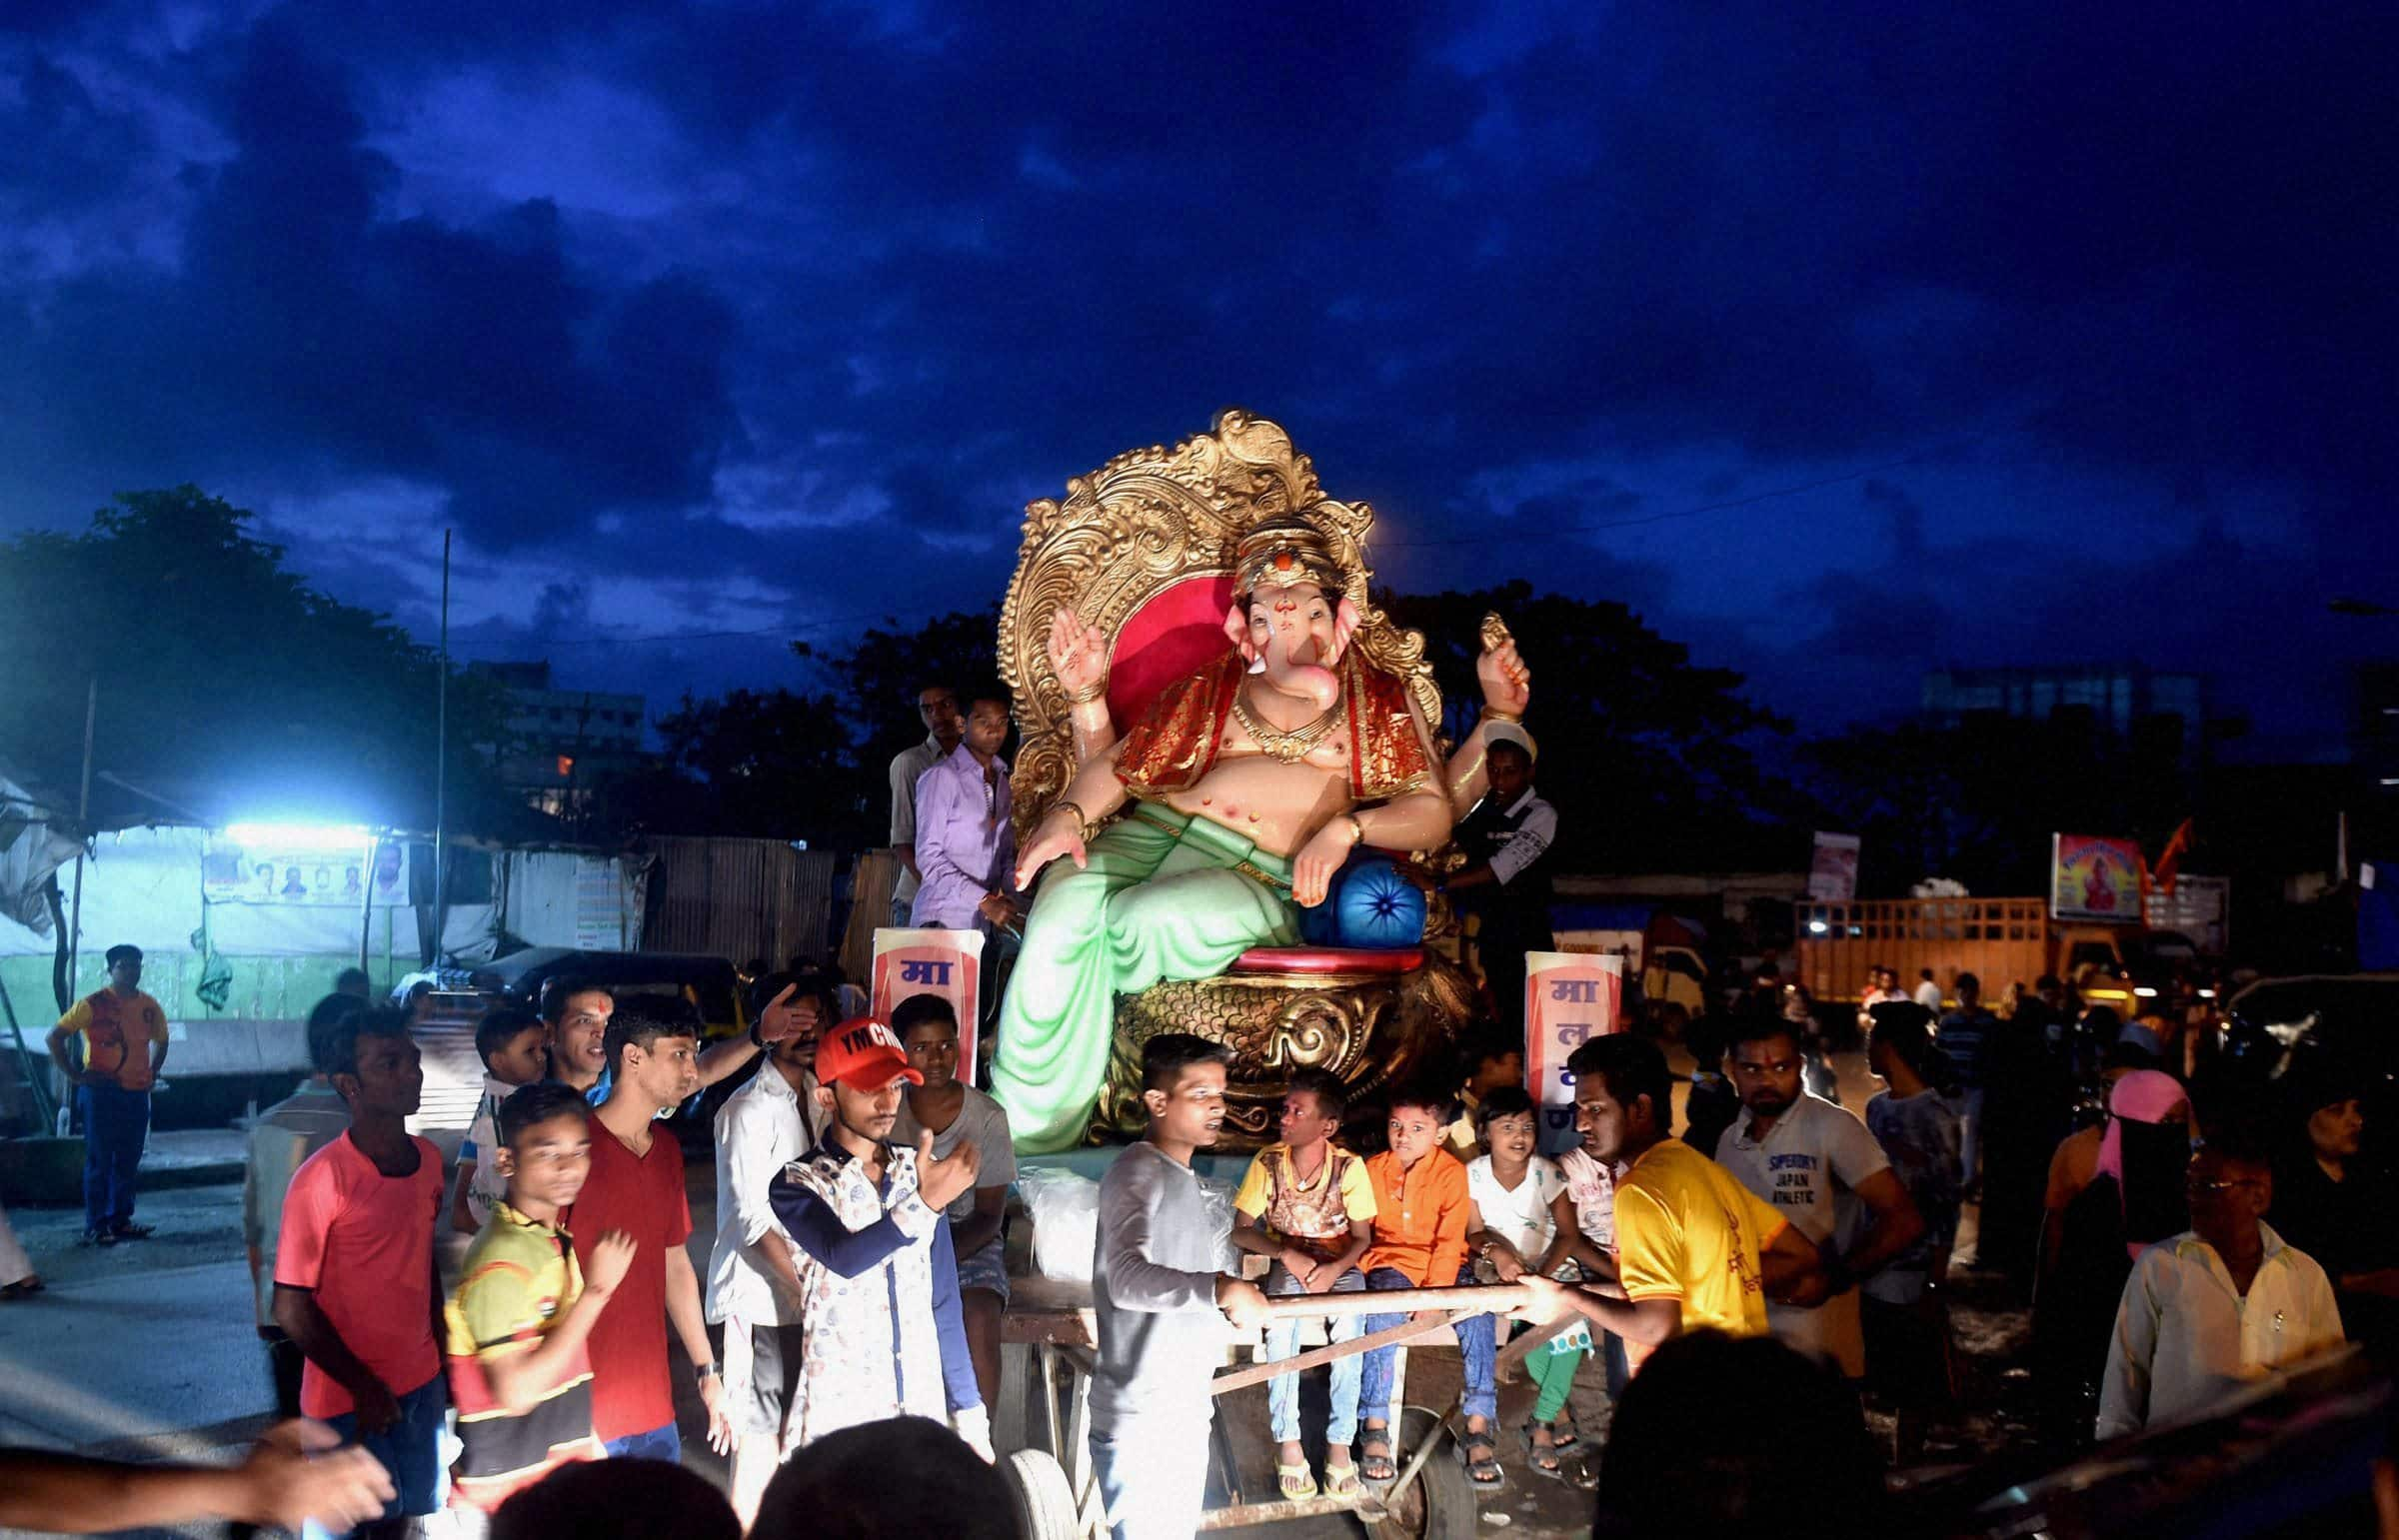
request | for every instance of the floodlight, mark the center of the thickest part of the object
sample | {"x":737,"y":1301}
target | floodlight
{"x":316,"y":837}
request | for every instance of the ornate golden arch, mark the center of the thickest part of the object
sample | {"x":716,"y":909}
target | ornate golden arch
{"x":1144,"y":520}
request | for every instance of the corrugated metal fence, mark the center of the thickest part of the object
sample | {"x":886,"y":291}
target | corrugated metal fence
{"x":741,"y":900}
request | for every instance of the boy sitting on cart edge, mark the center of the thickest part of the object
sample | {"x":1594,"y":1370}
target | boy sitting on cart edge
{"x":1161,"y":1301}
{"x":1309,"y":1204}
{"x":1420,"y":1208}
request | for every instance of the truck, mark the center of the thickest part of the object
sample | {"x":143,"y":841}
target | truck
{"x":1664,"y":955}
{"x":1999,"y":940}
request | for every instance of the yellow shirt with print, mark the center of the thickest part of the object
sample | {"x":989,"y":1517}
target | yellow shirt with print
{"x":1687,"y":1229}
{"x":1325,"y":1217}
{"x":118,"y":1035}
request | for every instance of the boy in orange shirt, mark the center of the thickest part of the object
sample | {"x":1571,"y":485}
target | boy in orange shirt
{"x":1420,"y":1209}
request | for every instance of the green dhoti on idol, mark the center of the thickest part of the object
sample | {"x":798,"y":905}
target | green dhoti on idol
{"x":1237,"y":795}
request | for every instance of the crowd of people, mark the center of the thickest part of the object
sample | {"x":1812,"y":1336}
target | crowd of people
{"x":854,"y":1277}
{"x":847,"y":1314}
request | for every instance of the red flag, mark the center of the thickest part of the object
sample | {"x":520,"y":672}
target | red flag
{"x":2170,"y":858}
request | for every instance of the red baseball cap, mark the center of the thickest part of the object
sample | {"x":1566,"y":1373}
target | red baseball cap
{"x":864,"y":1054}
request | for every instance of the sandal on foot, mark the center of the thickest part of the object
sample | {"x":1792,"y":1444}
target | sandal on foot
{"x":1484,"y":1474}
{"x":1542,"y":1458}
{"x":1297,"y":1482}
{"x":1564,"y":1438}
{"x":1375,"y":1461}
{"x":1341,"y":1480}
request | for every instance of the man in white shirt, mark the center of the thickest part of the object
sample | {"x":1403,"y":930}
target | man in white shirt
{"x":2216,"y":1308}
{"x":1823,"y":1171}
{"x":1928,"y":993}
{"x":937,"y":705}
{"x":754,"y":1280}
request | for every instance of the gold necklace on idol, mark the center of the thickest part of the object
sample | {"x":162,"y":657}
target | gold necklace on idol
{"x":1288,"y":747}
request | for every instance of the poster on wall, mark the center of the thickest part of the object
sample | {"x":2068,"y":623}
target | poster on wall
{"x":933,"y":962}
{"x":600,"y":906}
{"x":1833,"y":874}
{"x":325,"y":871}
{"x":1569,"y":998}
{"x":2095,"y":879}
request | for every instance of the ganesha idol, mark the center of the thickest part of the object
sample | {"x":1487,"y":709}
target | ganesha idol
{"x":1205,"y":811}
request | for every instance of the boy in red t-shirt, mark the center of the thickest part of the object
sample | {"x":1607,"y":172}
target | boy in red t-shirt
{"x":354,"y":1279}
{"x":636,"y":1186}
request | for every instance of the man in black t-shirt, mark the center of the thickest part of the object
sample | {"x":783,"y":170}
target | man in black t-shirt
{"x":2334,"y":1208}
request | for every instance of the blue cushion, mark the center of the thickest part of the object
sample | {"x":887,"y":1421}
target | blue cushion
{"x":1371,"y":908}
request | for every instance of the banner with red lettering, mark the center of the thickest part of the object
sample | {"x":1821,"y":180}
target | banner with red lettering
{"x":1569,"y":998}
{"x":933,"y":962}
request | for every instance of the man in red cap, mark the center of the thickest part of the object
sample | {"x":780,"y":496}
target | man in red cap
{"x":856,"y":1205}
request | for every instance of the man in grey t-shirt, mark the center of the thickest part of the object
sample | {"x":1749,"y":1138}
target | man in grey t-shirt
{"x":944,"y":724}
{"x":1823,"y":1171}
{"x":1161,"y":1300}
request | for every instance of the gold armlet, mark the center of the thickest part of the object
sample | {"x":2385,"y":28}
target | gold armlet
{"x":1493,"y":714}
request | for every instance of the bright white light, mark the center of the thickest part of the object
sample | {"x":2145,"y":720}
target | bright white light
{"x":2145,"y":992}
{"x":1817,"y":927}
{"x":307,"y":837}
{"x":2207,"y":994}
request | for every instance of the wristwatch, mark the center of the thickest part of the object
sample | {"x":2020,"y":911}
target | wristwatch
{"x":704,"y":1372}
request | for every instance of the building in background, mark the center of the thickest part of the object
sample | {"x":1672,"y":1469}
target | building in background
{"x":562,"y":744}
{"x":2165,"y":713}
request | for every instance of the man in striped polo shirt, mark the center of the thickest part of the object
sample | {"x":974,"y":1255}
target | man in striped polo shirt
{"x":519,"y":1374}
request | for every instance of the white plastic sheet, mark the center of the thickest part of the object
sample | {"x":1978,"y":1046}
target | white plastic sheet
{"x":1066,"y":1221}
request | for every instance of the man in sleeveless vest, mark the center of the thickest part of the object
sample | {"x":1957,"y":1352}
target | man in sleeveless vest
{"x":1507,"y":839}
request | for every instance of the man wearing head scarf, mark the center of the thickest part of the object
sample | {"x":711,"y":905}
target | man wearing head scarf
{"x":2112,"y":1191}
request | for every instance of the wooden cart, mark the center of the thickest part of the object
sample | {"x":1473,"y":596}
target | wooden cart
{"x":1042,"y":1425}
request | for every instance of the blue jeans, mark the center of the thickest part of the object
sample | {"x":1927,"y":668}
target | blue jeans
{"x":411,"y":1449}
{"x":1283,"y":1341}
{"x":116,"y":1123}
{"x":660,"y":1443}
{"x":1477,"y":1339}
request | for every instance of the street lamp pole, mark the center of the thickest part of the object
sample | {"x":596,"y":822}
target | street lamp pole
{"x":441,"y":770}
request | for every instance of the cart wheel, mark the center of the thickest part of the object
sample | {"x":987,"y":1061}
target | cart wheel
{"x":1439,"y":1503}
{"x":1046,"y":1507}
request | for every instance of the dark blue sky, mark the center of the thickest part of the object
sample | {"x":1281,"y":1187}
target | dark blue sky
{"x":2074,"y":323}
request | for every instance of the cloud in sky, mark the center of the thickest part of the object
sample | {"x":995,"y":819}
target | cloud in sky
{"x":2071,"y":331}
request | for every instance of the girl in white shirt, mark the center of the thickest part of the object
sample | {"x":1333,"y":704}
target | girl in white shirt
{"x":1520,"y":1220}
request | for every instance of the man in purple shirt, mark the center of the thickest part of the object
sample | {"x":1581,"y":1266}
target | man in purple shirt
{"x":965,"y":847}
